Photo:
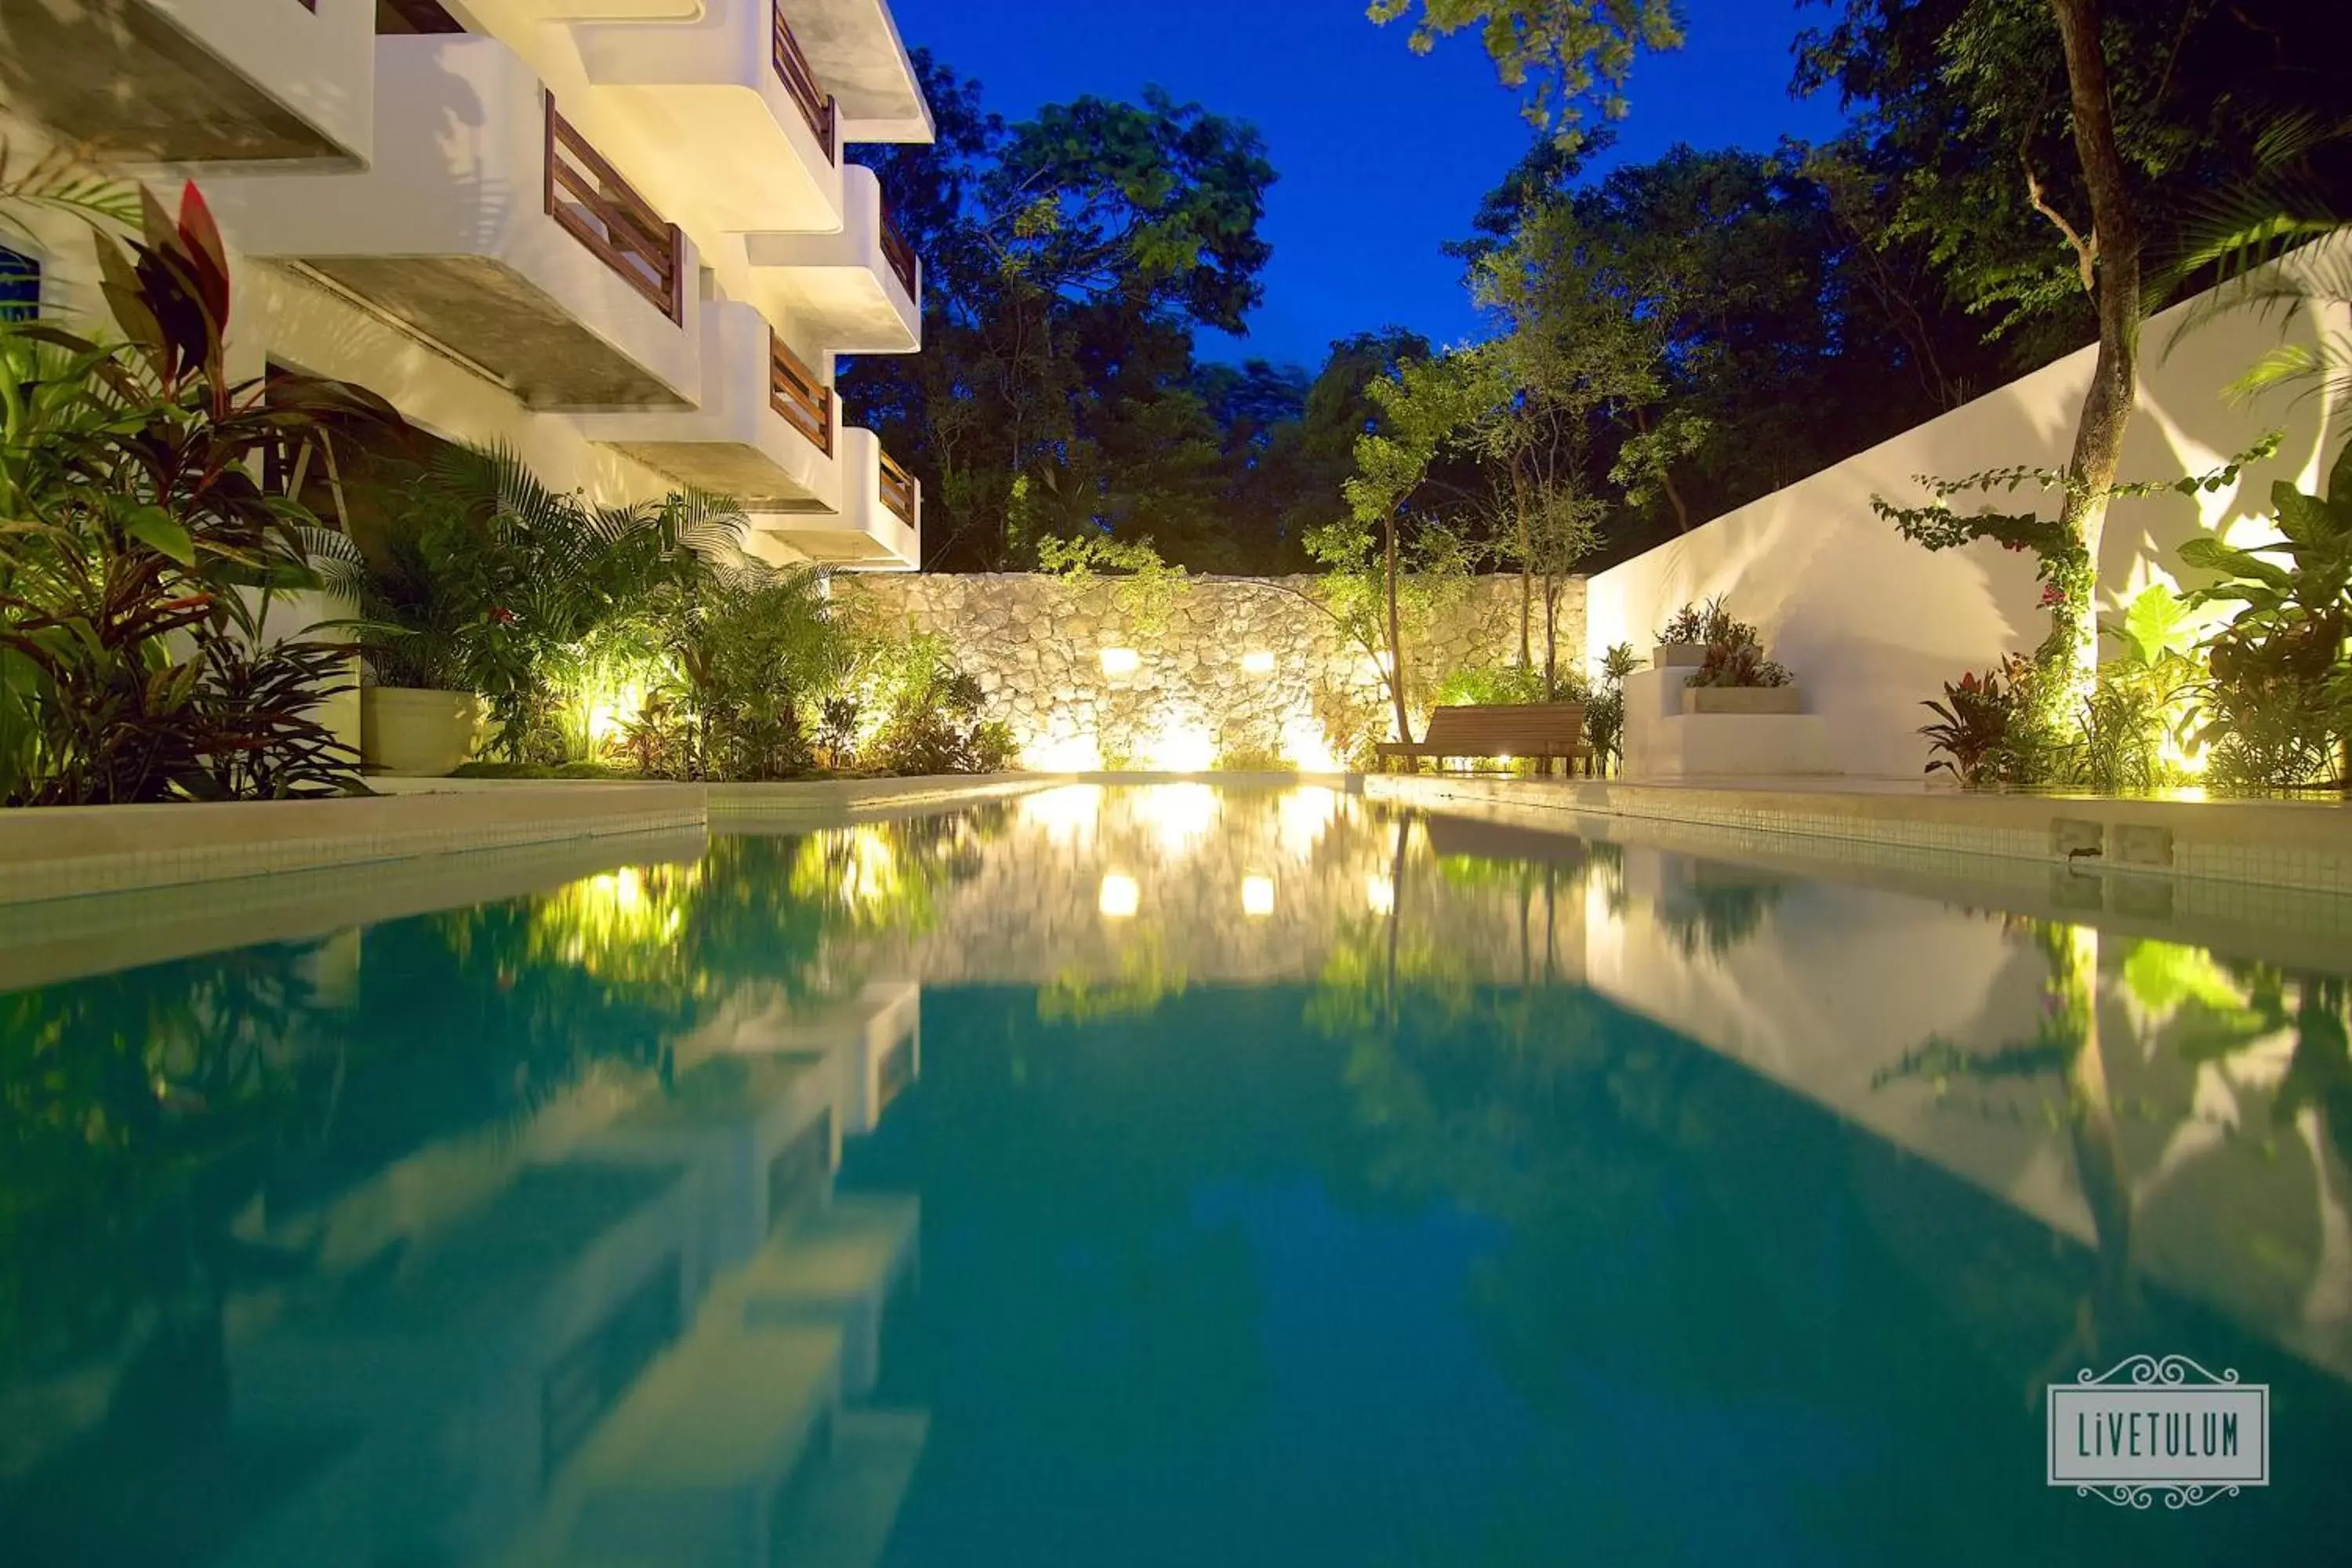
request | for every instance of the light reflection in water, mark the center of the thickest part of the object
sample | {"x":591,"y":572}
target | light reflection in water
{"x":590,"y":1138}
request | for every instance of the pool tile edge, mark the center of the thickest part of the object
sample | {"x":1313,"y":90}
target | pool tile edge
{"x":61,"y":852}
{"x":2304,"y":847}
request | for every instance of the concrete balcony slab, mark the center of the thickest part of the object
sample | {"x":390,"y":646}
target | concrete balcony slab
{"x":266,"y":83}
{"x":857,"y":290}
{"x":488,"y":224}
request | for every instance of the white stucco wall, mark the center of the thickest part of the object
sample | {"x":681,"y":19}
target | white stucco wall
{"x":1872,"y":624}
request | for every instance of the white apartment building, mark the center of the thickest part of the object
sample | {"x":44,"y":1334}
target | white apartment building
{"x":624,"y":236}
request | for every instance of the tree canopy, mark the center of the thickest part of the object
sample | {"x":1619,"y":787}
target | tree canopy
{"x":1674,"y":337}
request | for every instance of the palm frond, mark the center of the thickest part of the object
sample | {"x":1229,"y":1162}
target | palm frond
{"x":2322,"y":370}
{"x":708,"y":524}
{"x":63,"y":179}
{"x":335,"y":561}
{"x":2275,"y":242}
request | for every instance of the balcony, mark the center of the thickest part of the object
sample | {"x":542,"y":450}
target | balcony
{"x":721,"y":102}
{"x":489,"y":224}
{"x":854,"y":49}
{"x":764,"y":431}
{"x":858,"y":291}
{"x":878,"y":526}
{"x":266,"y":83}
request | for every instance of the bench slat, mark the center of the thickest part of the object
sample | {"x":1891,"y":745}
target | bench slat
{"x":1545,"y":731}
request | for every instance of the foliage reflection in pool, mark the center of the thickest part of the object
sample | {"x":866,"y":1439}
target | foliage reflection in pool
{"x":1351,"y":1188}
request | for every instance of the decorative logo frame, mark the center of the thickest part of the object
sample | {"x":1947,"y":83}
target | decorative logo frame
{"x":2179,"y":1400}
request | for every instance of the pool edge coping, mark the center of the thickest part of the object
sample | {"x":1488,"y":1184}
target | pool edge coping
{"x":50,"y":853}
{"x":2306,"y":846}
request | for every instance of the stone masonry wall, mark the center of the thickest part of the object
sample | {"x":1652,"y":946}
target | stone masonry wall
{"x":1229,"y":672}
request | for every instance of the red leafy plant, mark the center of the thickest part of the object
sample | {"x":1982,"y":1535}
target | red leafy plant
{"x":1978,"y":722}
{"x":143,"y":551}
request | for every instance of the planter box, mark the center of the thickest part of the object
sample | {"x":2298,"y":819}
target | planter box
{"x":1742,"y":700}
{"x":419,"y":734}
{"x":1677,"y":654}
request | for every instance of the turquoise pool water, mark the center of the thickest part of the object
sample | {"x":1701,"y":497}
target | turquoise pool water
{"x":1157,"y":1175}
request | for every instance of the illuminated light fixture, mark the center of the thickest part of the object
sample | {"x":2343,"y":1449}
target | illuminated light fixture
{"x":1181,"y":745}
{"x":1379,"y":894}
{"x":1063,"y":754}
{"x":1120,"y":662}
{"x":1119,"y":898}
{"x":1257,"y":897}
{"x":1257,"y":661}
{"x":1307,"y":747}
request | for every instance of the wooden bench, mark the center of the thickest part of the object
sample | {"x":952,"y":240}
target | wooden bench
{"x":1546,"y":731}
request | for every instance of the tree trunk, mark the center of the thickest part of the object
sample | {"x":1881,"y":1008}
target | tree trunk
{"x":1396,"y":640}
{"x":1551,"y":639}
{"x":2115,"y":256}
{"x":1526,"y":562}
{"x":1666,"y":478}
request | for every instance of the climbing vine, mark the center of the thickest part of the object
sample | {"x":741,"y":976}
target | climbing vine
{"x":2064,"y":568}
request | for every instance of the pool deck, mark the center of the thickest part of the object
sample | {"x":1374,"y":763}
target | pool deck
{"x":71,"y":852}
{"x":280,"y":866}
{"x":2281,"y":864}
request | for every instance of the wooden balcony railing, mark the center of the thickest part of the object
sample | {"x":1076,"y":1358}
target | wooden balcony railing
{"x":395,"y":18}
{"x":620,"y":227}
{"x":794,"y":392}
{"x":901,"y":256}
{"x":897,"y":489}
{"x":817,"y":106}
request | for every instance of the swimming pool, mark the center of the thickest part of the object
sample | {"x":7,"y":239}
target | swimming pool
{"x":1161,"y":1175}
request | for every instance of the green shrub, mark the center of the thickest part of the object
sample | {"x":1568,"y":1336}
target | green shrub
{"x":2277,"y":701}
{"x":931,"y":722}
{"x":1991,"y":729}
{"x":1735,"y":650}
{"x":143,"y":548}
{"x":1491,"y":685}
{"x":1707,"y":623}
{"x":1604,"y":711}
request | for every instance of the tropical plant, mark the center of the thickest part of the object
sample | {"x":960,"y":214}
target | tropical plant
{"x":1383,"y":562}
{"x":756,"y":646}
{"x":143,"y":554}
{"x":2066,"y":570}
{"x":931,"y":709}
{"x":2243,"y":231}
{"x":1734,"y":653}
{"x":1982,"y":726}
{"x":1144,"y":588}
{"x":476,"y":577}
{"x":1738,"y":662}
{"x":1694,"y":624}
{"x":837,"y":730}
{"x":1604,"y":712}
{"x":2138,"y":701}
{"x":64,"y":179}
{"x":2118,"y":747}
{"x":2277,"y":707}
{"x":1494,"y":685}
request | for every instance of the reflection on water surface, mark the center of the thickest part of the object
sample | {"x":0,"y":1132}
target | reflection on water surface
{"x":1158,"y":1174}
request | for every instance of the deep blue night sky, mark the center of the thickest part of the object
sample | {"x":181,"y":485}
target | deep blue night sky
{"x":1383,"y":154}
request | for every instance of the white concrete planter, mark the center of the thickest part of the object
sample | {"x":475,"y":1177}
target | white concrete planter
{"x":1742,"y":700}
{"x":1677,"y":654}
{"x":409,"y":732}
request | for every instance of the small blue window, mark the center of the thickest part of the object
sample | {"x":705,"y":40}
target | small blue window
{"x":20,"y":286}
